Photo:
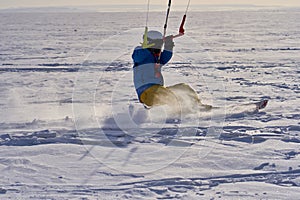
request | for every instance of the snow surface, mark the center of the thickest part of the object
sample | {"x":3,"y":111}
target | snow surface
{"x":71,"y":126}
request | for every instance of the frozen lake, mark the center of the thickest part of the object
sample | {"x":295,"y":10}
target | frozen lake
{"x":71,"y":126}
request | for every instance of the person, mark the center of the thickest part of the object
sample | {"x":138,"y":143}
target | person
{"x":148,"y":78}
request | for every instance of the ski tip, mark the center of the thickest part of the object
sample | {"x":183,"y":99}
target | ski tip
{"x":262,"y":104}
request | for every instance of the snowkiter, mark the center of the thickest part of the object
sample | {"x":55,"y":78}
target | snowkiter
{"x":148,"y":79}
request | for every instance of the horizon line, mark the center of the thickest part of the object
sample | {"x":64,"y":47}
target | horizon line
{"x":135,"y":7}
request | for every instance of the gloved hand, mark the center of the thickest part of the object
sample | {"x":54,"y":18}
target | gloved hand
{"x":169,"y":44}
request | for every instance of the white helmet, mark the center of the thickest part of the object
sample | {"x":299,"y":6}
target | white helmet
{"x":155,"y":35}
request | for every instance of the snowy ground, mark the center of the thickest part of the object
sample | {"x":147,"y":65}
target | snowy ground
{"x":71,"y":126}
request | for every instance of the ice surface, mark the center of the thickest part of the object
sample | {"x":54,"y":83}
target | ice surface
{"x":71,"y":126}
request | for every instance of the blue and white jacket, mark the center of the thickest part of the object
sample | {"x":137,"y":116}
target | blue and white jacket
{"x":145,"y":71}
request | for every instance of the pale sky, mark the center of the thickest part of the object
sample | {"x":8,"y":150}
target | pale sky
{"x":50,"y":3}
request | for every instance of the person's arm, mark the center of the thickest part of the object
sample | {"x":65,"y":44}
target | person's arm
{"x":168,"y":50}
{"x":139,"y":55}
{"x":169,"y":43}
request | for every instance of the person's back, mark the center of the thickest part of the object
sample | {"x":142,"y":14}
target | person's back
{"x":148,"y":62}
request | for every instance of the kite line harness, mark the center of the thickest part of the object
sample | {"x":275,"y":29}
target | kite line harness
{"x":146,"y":44}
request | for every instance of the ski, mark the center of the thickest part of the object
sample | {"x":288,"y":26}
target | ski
{"x":262,"y":104}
